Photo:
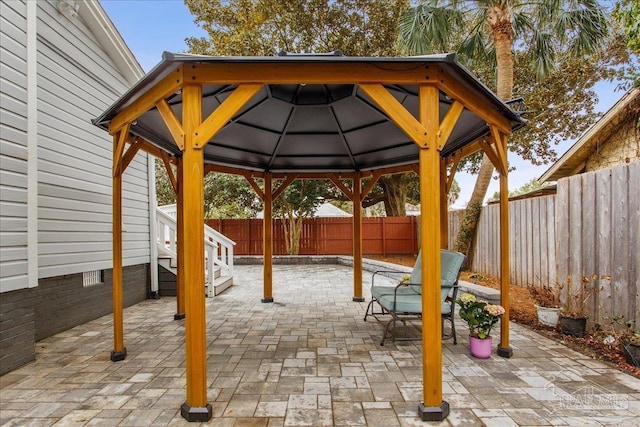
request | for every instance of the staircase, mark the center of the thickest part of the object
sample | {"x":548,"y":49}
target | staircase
{"x":218,"y":252}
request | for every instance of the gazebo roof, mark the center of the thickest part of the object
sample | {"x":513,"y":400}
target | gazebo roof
{"x":314,"y":127}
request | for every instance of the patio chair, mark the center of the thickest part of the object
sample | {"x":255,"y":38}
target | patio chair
{"x":404,"y":301}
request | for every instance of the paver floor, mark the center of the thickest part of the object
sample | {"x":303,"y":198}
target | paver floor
{"x":308,"y":359}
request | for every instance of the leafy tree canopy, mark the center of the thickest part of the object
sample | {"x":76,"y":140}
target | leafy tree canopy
{"x":530,"y":186}
{"x":627,"y":12}
{"x":266,"y":27}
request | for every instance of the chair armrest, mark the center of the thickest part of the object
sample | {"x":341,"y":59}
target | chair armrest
{"x":373,"y":277}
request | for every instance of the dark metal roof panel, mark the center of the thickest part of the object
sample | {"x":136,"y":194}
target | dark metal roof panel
{"x":309,"y":127}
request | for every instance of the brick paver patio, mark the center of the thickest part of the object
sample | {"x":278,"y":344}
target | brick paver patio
{"x":308,"y":359}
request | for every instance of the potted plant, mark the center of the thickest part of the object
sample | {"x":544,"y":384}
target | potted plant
{"x":631,"y":347}
{"x":622,"y":335}
{"x":481,"y":317}
{"x":573,"y":319}
{"x":547,"y":302}
{"x":629,"y":339}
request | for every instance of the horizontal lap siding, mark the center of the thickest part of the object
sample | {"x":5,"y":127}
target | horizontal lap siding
{"x":76,"y":82}
{"x":13,"y":146}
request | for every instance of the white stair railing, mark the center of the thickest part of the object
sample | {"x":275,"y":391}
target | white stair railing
{"x":218,"y":248}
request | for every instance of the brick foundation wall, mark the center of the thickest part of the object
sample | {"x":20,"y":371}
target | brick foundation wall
{"x":166,"y":282}
{"x":57,"y":304}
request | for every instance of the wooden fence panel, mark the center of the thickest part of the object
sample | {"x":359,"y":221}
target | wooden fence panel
{"x":337,"y":236}
{"x":588,"y":244}
{"x":587,"y":234}
{"x":325,"y":236}
{"x":551,"y":240}
{"x":454,"y":225}
{"x":515,"y":236}
{"x":373,"y":236}
{"x":603,"y":244}
{"x":574,"y":244}
{"x":620,"y":235}
{"x":634,"y":241}
{"x":563,"y":236}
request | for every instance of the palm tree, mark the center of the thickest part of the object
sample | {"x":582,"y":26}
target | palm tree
{"x":490,"y":31}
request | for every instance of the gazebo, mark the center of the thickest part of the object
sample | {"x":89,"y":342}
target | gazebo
{"x":288,"y":117}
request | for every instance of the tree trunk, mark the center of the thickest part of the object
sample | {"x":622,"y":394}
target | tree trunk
{"x":499,"y":19}
{"x":292,"y":230}
{"x":286,"y":225}
{"x":295,"y":235}
{"x":394,"y":194}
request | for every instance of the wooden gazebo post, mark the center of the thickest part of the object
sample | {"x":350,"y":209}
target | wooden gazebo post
{"x":196,"y":407}
{"x":444,"y":206}
{"x":433,"y":407}
{"x":357,"y":237}
{"x":504,"y":349}
{"x":267,"y":240}
{"x":180,"y":311}
{"x":119,"y":351}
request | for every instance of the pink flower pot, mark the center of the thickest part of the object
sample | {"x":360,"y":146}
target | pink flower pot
{"x":480,"y":348}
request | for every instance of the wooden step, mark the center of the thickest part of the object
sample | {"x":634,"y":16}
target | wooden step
{"x":220,"y":285}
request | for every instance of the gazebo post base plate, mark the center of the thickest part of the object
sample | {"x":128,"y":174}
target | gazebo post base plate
{"x":117,"y":356}
{"x":196,"y":413}
{"x":267,"y":299}
{"x":179,"y":316}
{"x":434,"y":413}
{"x":506,"y":352}
{"x":358,"y":299}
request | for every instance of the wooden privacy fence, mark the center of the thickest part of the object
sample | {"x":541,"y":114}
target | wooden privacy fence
{"x":587,"y":235}
{"x":326,"y":236}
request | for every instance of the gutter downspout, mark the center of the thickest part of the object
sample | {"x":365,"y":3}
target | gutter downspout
{"x":153,"y":233}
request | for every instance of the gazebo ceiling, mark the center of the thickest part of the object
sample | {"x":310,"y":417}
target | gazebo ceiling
{"x":311,"y":127}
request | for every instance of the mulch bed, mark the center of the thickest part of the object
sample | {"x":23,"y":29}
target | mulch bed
{"x":523,"y":312}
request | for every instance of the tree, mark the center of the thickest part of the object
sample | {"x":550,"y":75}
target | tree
{"x":628,"y":13}
{"x":297,"y":202}
{"x":494,"y":31}
{"x":530,"y":186}
{"x":266,"y":27}
{"x":226,"y":196}
{"x":627,"y":16}
{"x":164,"y":191}
{"x":229,"y":196}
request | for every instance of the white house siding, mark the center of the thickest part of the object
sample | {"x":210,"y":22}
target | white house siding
{"x":13,"y":146}
{"x":76,"y":82}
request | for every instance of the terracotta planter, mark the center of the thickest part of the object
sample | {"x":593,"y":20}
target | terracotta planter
{"x":548,"y":316}
{"x":480,"y":348}
{"x":574,"y":326}
{"x":632,"y":352}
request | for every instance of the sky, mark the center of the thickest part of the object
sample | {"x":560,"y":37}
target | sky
{"x":150,"y":27}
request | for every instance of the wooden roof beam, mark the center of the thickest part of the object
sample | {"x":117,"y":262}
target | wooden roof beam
{"x":307,"y":73}
{"x":283,"y":186}
{"x":162,"y":90}
{"x":336,"y":181}
{"x":120,"y":142}
{"x":500,"y":144}
{"x":225,"y":111}
{"x":397,"y":112}
{"x":472,"y":102}
{"x":493,"y":156}
{"x":448,"y":123}
{"x":172,"y":122}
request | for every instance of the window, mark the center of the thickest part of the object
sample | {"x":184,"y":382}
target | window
{"x":91,"y":278}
